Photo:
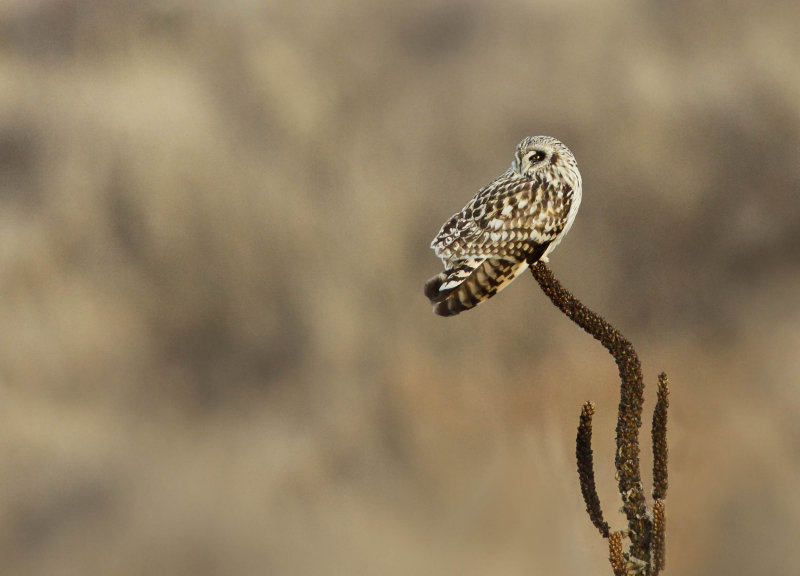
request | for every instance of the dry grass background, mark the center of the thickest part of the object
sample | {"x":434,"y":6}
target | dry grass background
{"x":215,"y":354}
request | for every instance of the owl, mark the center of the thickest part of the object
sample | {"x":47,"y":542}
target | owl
{"x":511,"y":224}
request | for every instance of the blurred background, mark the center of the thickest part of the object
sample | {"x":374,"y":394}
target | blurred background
{"x":215,"y":355}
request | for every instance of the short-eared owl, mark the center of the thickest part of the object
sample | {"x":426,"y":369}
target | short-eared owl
{"x":509,"y":225}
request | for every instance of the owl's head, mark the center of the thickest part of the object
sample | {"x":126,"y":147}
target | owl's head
{"x":542,"y":154}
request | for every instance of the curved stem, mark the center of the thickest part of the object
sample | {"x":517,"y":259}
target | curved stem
{"x":630,"y":406}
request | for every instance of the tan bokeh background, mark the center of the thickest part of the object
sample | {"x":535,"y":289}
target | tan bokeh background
{"x":215,"y":355}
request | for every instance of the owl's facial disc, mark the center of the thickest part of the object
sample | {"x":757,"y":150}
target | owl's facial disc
{"x":531,"y":160}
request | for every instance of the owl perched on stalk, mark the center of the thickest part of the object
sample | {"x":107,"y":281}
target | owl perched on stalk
{"x":511,"y":224}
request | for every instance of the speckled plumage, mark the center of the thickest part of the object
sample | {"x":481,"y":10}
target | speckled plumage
{"x":509,"y":225}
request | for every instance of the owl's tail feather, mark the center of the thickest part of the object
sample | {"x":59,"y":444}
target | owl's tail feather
{"x":470,"y":283}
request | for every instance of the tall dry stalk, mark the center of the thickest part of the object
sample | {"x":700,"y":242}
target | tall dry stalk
{"x":646,"y":525}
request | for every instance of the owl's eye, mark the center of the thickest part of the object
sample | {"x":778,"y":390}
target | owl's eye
{"x":536,"y":157}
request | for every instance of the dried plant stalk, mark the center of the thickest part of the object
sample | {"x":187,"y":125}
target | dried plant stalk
{"x":659,"y":537}
{"x":630,"y":406}
{"x":660,"y":452}
{"x":585,"y":457}
{"x":615,"y":554}
{"x":646,"y":530}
